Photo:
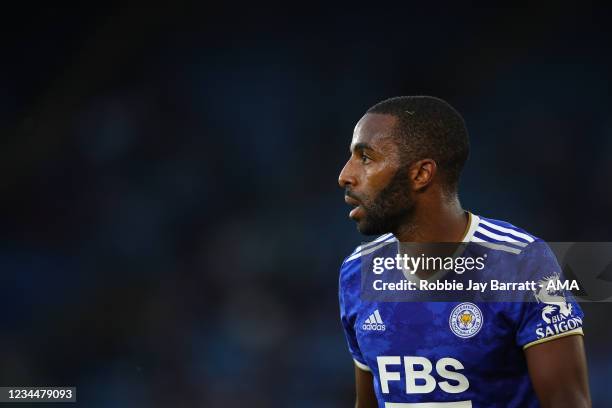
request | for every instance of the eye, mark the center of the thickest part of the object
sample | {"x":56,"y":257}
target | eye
{"x":365,"y":159}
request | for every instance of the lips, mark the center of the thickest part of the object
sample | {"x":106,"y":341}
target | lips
{"x":351,"y":201}
{"x":355,"y":203}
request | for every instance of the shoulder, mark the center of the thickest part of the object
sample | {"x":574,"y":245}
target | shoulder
{"x":350,"y":268}
{"x":512,"y":249}
{"x":369,"y":247}
{"x":502,"y":236}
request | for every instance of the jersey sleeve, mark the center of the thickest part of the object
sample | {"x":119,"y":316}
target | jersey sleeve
{"x":552,"y":312}
{"x":348,"y":295}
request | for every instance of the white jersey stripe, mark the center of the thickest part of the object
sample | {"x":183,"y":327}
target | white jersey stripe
{"x":381,"y":238}
{"x":370,"y":250}
{"x":369,"y":244}
{"x":495,"y":246}
{"x":501,"y":237}
{"x":508,"y":231}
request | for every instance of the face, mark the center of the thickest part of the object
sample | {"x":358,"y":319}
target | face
{"x":374,"y":182}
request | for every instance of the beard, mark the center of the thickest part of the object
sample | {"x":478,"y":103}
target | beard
{"x":392,"y":207}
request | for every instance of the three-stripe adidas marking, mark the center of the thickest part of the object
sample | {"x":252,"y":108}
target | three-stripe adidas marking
{"x":374,"y":322}
{"x":498,"y":237}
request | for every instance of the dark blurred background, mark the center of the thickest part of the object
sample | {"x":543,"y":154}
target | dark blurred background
{"x":171,"y":225}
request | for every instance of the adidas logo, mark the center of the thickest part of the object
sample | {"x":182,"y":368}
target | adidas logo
{"x":374,"y":322}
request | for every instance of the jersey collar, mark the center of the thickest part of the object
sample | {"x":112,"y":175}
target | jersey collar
{"x":473,"y":222}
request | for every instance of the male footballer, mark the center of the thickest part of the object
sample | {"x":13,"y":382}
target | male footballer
{"x":402,"y":179}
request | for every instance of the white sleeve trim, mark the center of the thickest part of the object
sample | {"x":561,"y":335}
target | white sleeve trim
{"x":362,"y":366}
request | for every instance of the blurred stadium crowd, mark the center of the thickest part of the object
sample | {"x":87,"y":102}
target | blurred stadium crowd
{"x":172,"y":227}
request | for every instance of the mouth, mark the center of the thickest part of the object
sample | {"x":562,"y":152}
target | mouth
{"x":351,"y":201}
{"x":355,"y":212}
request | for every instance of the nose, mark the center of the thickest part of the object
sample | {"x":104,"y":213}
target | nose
{"x":346,"y":176}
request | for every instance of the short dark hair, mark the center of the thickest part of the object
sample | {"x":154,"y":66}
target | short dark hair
{"x":429,"y":127}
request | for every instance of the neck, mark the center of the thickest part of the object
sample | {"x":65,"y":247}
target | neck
{"x":439,"y":220}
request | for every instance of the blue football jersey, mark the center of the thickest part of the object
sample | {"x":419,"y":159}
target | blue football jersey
{"x":457,"y":354}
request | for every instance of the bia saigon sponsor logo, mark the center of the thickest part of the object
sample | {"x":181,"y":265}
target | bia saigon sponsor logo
{"x":557,"y":313}
{"x":465,"y":320}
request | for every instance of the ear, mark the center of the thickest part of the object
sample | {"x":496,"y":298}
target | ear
{"x":422,"y":173}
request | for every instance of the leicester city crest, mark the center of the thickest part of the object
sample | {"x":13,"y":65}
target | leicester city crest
{"x":465,"y":320}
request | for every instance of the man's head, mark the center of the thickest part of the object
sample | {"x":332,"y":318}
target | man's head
{"x":403,"y":149}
